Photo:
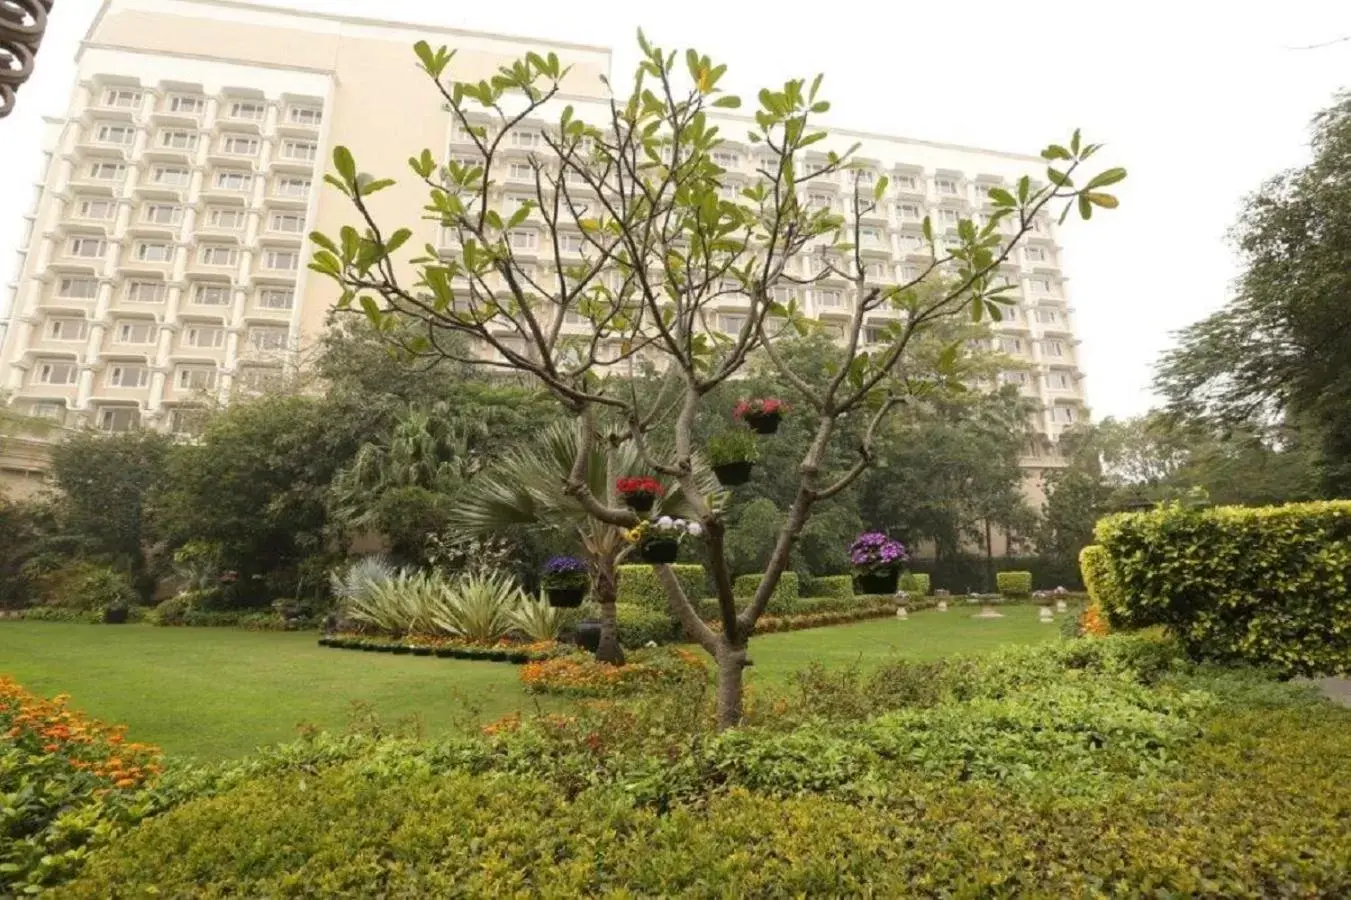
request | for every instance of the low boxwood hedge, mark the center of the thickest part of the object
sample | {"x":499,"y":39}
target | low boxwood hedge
{"x":638,"y":584}
{"x":785,"y":592}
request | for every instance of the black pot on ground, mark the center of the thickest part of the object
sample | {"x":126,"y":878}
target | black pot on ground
{"x":588,"y":634}
{"x":115,"y":615}
{"x":764,"y":423}
{"x":734,"y":473}
{"x":877,"y":582}
{"x":642,"y":503}
{"x":566,"y":598}
{"x":659,"y":551}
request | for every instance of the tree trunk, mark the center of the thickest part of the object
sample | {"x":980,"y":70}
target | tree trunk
{"x":732,"y":663}
{"x":607,"y":591}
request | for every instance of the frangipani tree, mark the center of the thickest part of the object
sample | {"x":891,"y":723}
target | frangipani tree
{"x":646,"y":238}
{"x":527,"y":486}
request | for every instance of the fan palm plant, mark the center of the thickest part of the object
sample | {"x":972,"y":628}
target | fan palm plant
{"x":526,"y":487}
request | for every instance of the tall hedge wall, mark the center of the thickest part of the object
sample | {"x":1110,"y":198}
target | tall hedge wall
{"x":1267,"y":586}
{"x":638,"y":585}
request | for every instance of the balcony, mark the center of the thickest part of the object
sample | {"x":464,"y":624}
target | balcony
{"x":183,"y":154}
{"x":300,"y":121}
{"x":299,"y":164}
{"x":161,"y":190}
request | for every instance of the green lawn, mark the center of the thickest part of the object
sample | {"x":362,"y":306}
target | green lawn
{"x":220,"y":692}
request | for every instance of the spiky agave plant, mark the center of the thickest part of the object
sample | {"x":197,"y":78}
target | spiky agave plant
{"x":537,"y":619}
{"x":403,"y":604}
{"x":477,"y":606}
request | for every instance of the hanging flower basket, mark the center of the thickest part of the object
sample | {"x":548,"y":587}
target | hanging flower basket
{"x":659,"y":551}
{"x":639,"y":493}
{"x":877,"y":563}
{"x":733,"y":473}
{"x":878,"y":581}
{"x":761,"y":414}
{"x":565,"y":580}
{"x":566,"y":598}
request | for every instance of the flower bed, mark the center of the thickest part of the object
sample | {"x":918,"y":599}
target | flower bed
{"x":447,"y":648}
{"x":580,"y":675}
{"x":66,"y":783}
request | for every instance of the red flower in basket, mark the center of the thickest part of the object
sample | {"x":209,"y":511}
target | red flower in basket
{"x":639,"y":492}
{"x":761,"y":413}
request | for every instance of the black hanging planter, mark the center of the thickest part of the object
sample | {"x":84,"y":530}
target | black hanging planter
{"x":733,"y":473}
{"x":659,"y":552}
{"x":763,"y":423}
{"x":642,"y":503}
{"x":115,"y":615}
{"x":883,"y":582}
{"x":566,"y":598}
{"x":588,"y":635}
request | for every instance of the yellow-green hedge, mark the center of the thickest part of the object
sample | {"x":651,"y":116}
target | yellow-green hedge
{"x":638,"y":585}
{"x":1014,"y":584}
{"x":915,"y":583}
{"x":1095,"y":565}
{"x":839,"y":586}
{"x":785,"y":592}
{"x":1266,"y":586}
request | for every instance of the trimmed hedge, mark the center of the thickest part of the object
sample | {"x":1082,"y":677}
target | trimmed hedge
{"x":1014,"y":584}
{"x":639,"y":625}
{"x":1264,"y":586}
{"x":841,"y":586}
{"x":86,"y":616}
{"x":638,"y":584}
{"x":972,"y":574}
{"x":915,"y":583}
{"x":1096,"y":566}
{"x":785,"y":592}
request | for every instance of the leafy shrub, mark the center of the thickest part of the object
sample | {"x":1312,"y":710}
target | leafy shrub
{"x":832,"y":586}
{"x":66,"y":782}
{"x":88,"y":586}
{"x":172,"y":611}
{"x":1096,"y":566}
{"x":580,"y":675}
{"x":536,"y":619}
{"x":638,"y":585}
{"x":1014,"y":584}
{"x":785,"y":592}
{"x":86,"y":616}
{"x":639,"y":626}
{"x":1265,"y":586}
{"x":915,"y":583}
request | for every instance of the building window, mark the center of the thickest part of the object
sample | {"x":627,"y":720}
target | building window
{"x":186,"y":421}
{"x":725,"y":160}
{"x":1040,"y":285}
{"x":829,"y":297}
{"x":121,"y":98}
{"x":123,"y":375}
{"x":866,"y":177}
{"x":1053,"y":348}
{"x":1040,"y":226}
{"x":570,"y":243}
{"x":215,"y":255}
{"x":1008,"y":313}
{"x":196,"y":379}
{"x":178,"y":140}
{"x":1010,"y":345}
{"x":286,"y":223}
{"x":161,"y":214}
{"x":1035,"y":254}
{"x":946,"y":186}
{"x":281,"y":260}
{"x":906,"y":182}
{"x":1059,"y":381}
{"x":910,"y":242}
{"x":949,"y":216}
{"x":66,"y":329}
{"x":232,"y":181}
{"x":146,"y":291}
{"x":116,"y":134}
{"x":206,"y":336}
{"x":1048,"y":316}
{"x":524,"y":137}
{"x":1018,"y":378}
{"x":239,"y":145}
{"x":225,"y":219}
{"x":870,"y":237}
{"x":85,"y":247}
{"x":173,"y":177}
{"x":147,"y":252}
{"x":136,"y":332}
{"x":57,"y":372}
{"x":211,"y":295}
{"x":247,"y":110}
{"x":267,"y":339}
{"x":520,"y":171}
{"x":276,"y":298}
{"x":77,"y":288}
{"x":304,"y":115}
{"x":187,"y":104}
{"x":877,"y":270}
{"x":731,"y":324}
{"x":1063,"y":414}
{"x":909,"y":273}
{"x":96,"y":210}
{"x":302,"y":150}
{"x":107,"y":171}
{"x":293,"y":187}
{"x":908,"y":212}
{"x":524,"y":240}
{"x":119,"y":418}
{"x":55,"y":412}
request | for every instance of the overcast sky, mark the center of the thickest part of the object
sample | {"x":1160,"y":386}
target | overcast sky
{"x":1200,"y":100}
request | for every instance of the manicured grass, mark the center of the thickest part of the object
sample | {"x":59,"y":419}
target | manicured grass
{"x":221,"y":692}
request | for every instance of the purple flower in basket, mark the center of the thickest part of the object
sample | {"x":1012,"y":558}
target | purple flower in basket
{"x":874,"y":551}
{"x":564,"y":572}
